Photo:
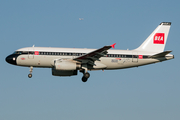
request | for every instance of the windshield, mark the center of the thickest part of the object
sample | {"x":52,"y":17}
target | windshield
{"x":20,"y":52}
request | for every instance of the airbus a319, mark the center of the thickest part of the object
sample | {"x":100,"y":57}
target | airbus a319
{"x":68,"y":61}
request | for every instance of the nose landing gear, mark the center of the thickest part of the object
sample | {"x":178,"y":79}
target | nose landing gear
{"x":30,"y":74}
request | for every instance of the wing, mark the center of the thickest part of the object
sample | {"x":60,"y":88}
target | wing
{"x":89,"y":58}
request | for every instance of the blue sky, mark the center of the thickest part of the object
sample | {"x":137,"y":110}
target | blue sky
{"x":147,"y":92}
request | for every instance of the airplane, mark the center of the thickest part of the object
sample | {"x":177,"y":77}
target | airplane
{"x":68,"y":61}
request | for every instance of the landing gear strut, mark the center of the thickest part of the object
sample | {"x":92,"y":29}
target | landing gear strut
{"x":86,"y":75}
{"x":30,"y":74}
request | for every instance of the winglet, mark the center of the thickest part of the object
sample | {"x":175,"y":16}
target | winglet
{"x":113,"y":45}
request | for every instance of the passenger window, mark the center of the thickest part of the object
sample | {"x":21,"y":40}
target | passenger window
{"x":30,"y":52}
{"x":134,"y":56}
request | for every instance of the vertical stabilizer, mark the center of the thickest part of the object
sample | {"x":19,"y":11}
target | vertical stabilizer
{"x":157,"y":40}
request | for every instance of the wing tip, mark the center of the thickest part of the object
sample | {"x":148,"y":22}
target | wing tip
{"x":113,"y":45}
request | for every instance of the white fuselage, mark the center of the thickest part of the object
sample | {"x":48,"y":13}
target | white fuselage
{"x":115,"y":59}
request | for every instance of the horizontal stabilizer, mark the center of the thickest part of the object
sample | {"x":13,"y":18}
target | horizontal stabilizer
{"x":162,"y":54}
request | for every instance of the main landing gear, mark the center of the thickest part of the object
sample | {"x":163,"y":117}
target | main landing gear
{"x":30,"y":74}
{"x":86,"y":75}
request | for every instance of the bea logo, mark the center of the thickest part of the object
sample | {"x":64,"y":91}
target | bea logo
{"x":159,"y":38}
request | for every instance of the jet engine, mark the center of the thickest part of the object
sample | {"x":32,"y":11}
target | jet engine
{"x":64,"y":68}
{"x":65,"y":65}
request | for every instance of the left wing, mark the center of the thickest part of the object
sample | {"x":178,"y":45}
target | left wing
{"x":89,"y":58}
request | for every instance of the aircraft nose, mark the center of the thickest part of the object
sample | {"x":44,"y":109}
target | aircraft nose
{"x":11,"y":59}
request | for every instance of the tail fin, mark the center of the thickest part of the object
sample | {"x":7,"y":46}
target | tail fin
{"x":157,"y":40}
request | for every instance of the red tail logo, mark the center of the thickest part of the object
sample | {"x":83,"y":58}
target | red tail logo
{"x":159,"y":38}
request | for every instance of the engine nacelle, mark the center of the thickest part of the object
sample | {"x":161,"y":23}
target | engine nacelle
{"x":65,"y":65}
{"x":63,"y":72}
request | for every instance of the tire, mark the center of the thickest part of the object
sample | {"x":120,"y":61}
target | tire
{"x":86,"y":75}
{"x":30,"y":75}
{"x":84,"y":79}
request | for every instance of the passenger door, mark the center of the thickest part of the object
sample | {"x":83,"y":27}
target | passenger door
{"x":135,"y":57}
{"x":30,"y":54}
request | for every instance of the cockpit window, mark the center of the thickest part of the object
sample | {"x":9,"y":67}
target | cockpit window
{"x":17,"y":52}
{"x":25,"y":52}
{"x":20,"y":52}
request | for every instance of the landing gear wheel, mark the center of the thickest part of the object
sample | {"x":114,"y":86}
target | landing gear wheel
{"x":85,"y":77}
{"x":29,"y":75}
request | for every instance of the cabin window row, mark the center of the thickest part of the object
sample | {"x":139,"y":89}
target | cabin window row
{"x":61,"y":53}
{"x":76,"y":54}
